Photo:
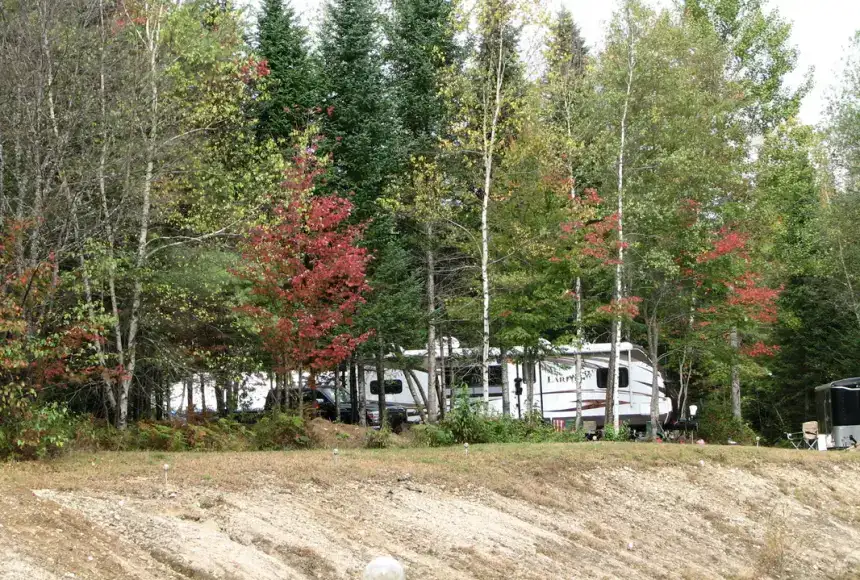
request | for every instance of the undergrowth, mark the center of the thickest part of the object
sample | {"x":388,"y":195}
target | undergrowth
{"x":48,"y":431}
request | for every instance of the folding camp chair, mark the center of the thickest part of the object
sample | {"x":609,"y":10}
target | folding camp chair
{"x":805,"y":439}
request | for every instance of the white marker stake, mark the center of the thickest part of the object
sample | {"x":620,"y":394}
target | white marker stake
{"x":335,"y":453}
{"x":466,"y":448}
{"x":384,"y":568}
{"x":166,"y":469}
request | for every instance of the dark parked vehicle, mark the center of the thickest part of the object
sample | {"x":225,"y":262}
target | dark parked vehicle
{"x":322,"y":401}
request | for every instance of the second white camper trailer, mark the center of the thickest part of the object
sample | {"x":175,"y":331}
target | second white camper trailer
{"x":554,"y":382}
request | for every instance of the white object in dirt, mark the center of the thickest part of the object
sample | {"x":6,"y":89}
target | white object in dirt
{"x":166,"y":469}
{"x":701,"y":463}
{"x":335,"y":453}
{"x":466,"y":448}
{"x":384,"y":568}
{"x":629,"y":545}
{"x":757,"y":439}
{"x":700,"y":442}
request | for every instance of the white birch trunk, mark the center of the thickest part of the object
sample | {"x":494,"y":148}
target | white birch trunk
{"x":153,"y":33}
{"x":506,"y":388}
{"x":432,"y":402}
{"x":489,"y":152}
{"x":653,"y":349}
{"x":619,"y":267}
{"x":578,"y":359}
{"x":736,"y":374}
{"x":362,"y":396}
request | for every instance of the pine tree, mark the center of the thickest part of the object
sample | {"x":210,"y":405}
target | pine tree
{"x":357,"y":121}
{"x":421,"y":51}
{"x":422,"y":48}
{"x":282,"y":42}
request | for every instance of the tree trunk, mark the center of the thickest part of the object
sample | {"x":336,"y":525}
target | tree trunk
{"x":612,"y":378}
{"x":159,"y":399}
{"x":685,"y":367}
{"x":422,"y":396}
{"x":153,"y":33}
{"x":203,"y":394}
{"x":489,"y":152}
{"x":380,"y":382}
{"x":362,"y":396}
{"x":232,"y":396}
{"x":736,"y":374}
{"x":220,"y":395}
{"x":337,"y":398}
{"x":506,"y":386}
{"x":353,"y":392}
{"x":529,"y":376}
{"x":168,"y":393}
{"x":413,"y":390}
{"x":578,"y":358}
{"x":653,"y":350}
{"x":614,"y":358}
{"x":189,"y":389}
{"x":2,"y":182}
{"x":443,"y":377}
{"x":432,"y":401}
{"x":300,"y":396}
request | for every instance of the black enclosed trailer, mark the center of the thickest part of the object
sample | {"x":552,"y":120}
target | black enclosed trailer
{"x":838,"y":408}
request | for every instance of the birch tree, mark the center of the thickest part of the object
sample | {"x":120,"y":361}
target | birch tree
{"x":494,"y":96}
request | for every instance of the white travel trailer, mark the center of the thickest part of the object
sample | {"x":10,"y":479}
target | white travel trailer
{"x":554,"y":382}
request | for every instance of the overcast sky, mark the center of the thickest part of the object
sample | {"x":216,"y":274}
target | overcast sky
{"x":821,"y":30}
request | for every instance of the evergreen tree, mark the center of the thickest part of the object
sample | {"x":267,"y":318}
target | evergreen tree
{"x":422,"y":49}
{"x":357,"y":123}
{"x":421,"y":52}
{"x":362,"y":136}
{"x":291,"y":89}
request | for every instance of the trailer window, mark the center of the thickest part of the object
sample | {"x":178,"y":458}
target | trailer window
{"x":392,"y":387}
{"x":471,"y":376}
{"x":603,"y":378}
{"x":845,"y":403}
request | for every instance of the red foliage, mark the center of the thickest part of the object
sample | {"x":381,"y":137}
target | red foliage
{"x":599,"y":240}
{"x":32,"y":355}
{"x":757,"y":301}
{"x":626,"y":307}
{"x":252,"y":70}
{"x":728,"y":242}
{"x":310,"y":273}
{"x":760,"y":349}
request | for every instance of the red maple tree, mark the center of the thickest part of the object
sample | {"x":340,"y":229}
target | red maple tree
{"x":34,"y":352}
{"x":309,"y":274}
{"x":736,"y":292}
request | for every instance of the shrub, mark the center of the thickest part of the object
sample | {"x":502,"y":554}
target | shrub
{"x":281,"y":431}
{"x":623,"y":433}
{"x":159,"y":436}
{"x":467,"y":420}
{"x":37,"y":432}
{"x":432,"y":436}
{"x":380,"y":439}
{"x":718,"y":425}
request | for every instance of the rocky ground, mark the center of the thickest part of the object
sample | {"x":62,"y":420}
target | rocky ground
{"x":531,"y":512}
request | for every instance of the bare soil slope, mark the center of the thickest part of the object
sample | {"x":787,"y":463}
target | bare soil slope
{"x":532,"y":512}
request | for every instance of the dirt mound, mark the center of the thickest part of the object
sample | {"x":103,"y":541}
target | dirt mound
{"x":336,"y":435}
{"x":530,"y":512}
